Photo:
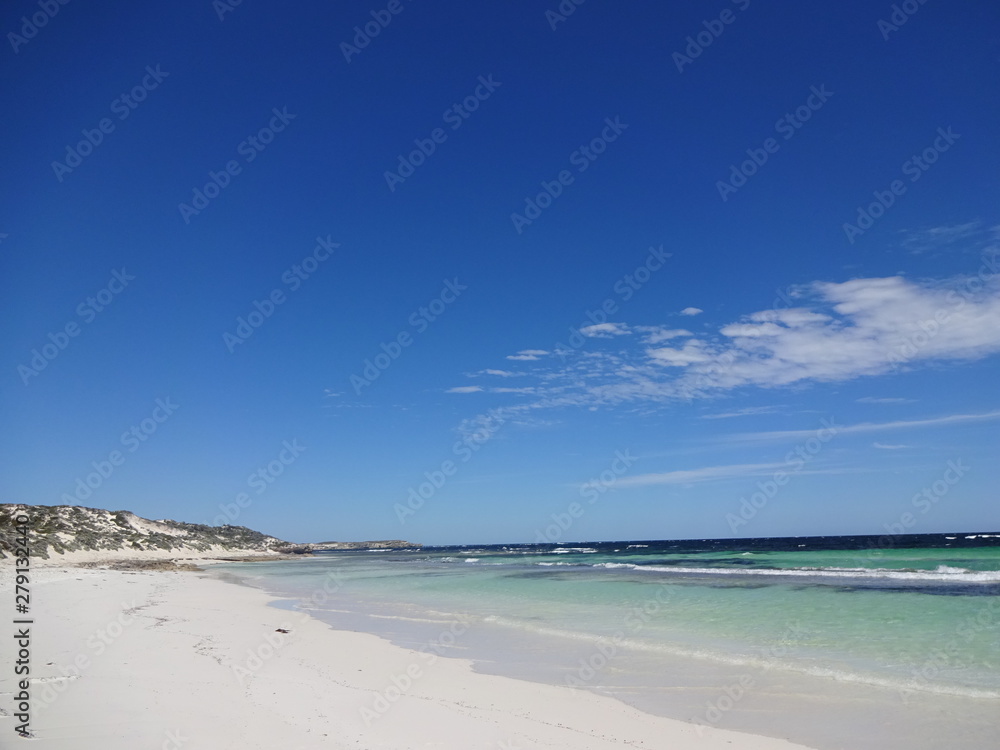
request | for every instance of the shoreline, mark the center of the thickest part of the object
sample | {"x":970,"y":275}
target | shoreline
{"x":140,"y":658}
{"x":816,"y":708}
{"x":92,"y":558}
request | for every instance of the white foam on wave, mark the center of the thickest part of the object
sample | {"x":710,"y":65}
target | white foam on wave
{"x":442,"y":621}
{"x":949,"y":569}
{"x":941,"y":573}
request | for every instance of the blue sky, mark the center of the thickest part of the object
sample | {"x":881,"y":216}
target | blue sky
{"x":614,"y":283}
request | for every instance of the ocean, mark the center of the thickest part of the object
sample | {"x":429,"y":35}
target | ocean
{"x":834,"y":642}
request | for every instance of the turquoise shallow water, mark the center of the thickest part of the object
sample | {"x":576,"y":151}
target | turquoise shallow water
{"x":907,"y":638}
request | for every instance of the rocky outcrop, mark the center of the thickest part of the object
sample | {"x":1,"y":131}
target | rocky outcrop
{"x":69,"y":528}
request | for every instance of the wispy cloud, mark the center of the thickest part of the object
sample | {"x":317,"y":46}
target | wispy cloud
{"x":659,"y":334}
{"x":891,"y":400}
{"x":488,"y":389}
{"x":748,"y":411}
{"x":703,"y":474}
{"x":840,"y":332}
{"x":692,"y":311}
{"x":870,"y":427}
{"x":888,"y":447}
{"x":495,"y":373}
{"x":527,"y":355}
{"x":465,"y":389}
{"x":605,"y":330}
{"x":692,"y":352}
{"x":935,"y":238}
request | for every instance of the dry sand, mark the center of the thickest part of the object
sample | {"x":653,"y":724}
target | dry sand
{"x":155,"y":659}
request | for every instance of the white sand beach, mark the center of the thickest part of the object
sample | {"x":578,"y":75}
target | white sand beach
{"x":163,"y":659}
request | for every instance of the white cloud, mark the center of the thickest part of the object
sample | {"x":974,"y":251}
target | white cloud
{"x":605,"y":330}
{"x":855,"y":328}
{"x":692,"y":311}
{"x":693,"y":351}
{"x":872,"y":400}
{"x":499,"y":373}
{"x":886,"y":447}
{"x":527,"y":355}
{"x":839,"y":332}
{"x":512,"y":390}
{"x":465,"y":389}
